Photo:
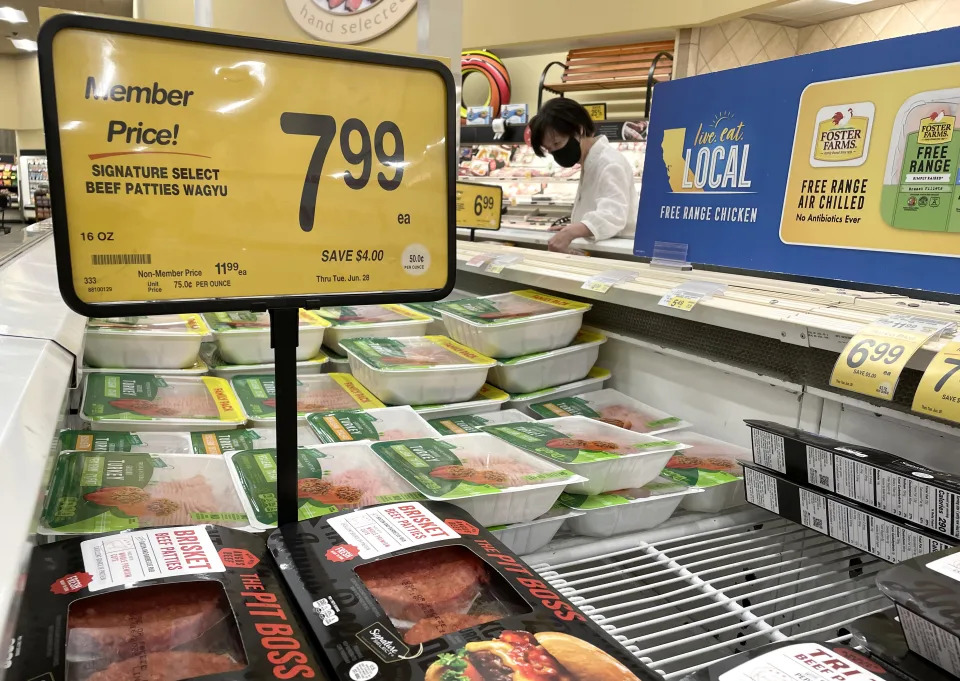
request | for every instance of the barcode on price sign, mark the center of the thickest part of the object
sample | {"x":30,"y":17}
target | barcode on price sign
{"x":122,"y":259}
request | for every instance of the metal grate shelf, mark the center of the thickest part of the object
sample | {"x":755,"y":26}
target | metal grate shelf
{"x":685,"y":601}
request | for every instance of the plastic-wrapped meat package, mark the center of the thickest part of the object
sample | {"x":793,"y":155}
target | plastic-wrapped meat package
{"x":165,"y":632}
{"x":391,"y":423}
{"x":428,"y":594}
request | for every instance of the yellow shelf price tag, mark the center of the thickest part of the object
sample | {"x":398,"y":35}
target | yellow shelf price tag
{"x":939,"y":391}
{"x":872,"y":361}
{"x":479,"y":206}
{"x":201,"y":170}
{"x":686,"y":296}
{"x":500,"y":262}
{"x":681,"y":302}
{"x":603,"y":282}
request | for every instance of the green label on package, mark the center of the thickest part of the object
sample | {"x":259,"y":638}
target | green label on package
{"x":458,"y":425}
{"x":258,"y":395}
{"x":548,"y":442}
{"x":344,"y":426}
{"x":98,"y":441}
{"x":700,"y":471}
{"x":317,"y":493}
{"x":220,"y":441}
{"x":433,"y":467}
{"x":136,"y":397}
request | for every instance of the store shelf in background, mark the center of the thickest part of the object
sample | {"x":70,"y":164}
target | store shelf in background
{"x":541,"y":235}
{"x":683,"y":596}
{"x":800,"y":314}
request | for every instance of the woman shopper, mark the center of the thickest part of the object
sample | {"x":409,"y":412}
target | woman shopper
{"x":606,"y":202}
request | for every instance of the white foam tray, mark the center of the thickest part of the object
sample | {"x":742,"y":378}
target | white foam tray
{"x":557,"y":367}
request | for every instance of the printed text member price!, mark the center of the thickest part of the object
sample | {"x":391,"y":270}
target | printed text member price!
{"x":324,"y":128}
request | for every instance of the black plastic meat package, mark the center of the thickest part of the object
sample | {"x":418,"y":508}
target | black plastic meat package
{"x":417,"y":591}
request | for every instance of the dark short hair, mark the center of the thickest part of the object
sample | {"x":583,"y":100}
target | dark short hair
{"x":563,"y":116}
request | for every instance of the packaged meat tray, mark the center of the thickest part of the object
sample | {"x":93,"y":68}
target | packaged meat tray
{"x":488,"y":400}
{"x":627,"y":510}
{"x":926,"y":590}
{"x":417,"y":369}
{"x":595,"y":379}
{"x":156,"y":402}
{"x":546,"y":369}
{"x":472,"y":423}
{"x":888,"y":538}
{"x":712,"y":465}
{"x":218,"y":366}
{"x":164,"y":604}
{"x":244,"y":337}
{"x":336,"y":364}
{"x":332,"y":478}
{"x":881,"y":635}
{"x":94,"y":492}
{"x":901,"y":488}
{"x":796,"y":661}
{"x":322,"y":392}
{"x":371,"y":321}
{"x":198,"y":368}
{"x":432,"y":310}
{"x":607,"y":456}
{"x":119,"y":441}
{"x":493,"y":481}
{"x":513,"y":324}
{"x":524,"y":538}
{"x":611,"y":406}
{"x":376,"y":583}
{"x":391,"y":423}
{"x":169,"y":341}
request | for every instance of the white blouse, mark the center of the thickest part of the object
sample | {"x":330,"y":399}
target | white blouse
{"x":607,"y":197}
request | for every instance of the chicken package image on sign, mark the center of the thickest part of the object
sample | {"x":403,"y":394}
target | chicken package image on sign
{"x":156,"y":402}
{"x":107,"y":491}
{"x":331,"y":478}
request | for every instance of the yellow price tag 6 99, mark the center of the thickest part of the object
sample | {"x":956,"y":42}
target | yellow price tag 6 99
{"x":479,"y":206}
{"x":939,"y":391}
{"x":872,"y":361}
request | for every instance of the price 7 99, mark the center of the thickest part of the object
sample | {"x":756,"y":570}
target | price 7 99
{"x":324,"y":128}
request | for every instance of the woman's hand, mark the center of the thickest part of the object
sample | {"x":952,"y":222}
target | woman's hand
{"x":565,"y":234}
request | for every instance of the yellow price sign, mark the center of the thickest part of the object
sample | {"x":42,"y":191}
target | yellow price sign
{"x":598,"y":112}
{"x":685,"y":303}
{"x":939,"y":391}
{"x":872,"y":361}
{"x":191,"y":166}
{"x":479,"y":206}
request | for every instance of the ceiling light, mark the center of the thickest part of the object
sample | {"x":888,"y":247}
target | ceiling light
{"x":24,"y":44}
{"x":12,"y":16}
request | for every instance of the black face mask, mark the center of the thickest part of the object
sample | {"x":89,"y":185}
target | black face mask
{"x":568,"y":155}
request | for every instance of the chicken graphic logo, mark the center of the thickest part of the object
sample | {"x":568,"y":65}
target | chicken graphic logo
{"x":842,"y":135}
{"x":937,"y":128}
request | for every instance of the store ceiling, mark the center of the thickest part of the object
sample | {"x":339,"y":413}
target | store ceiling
{"x":121,"y":8}
{"x":802,"y":13}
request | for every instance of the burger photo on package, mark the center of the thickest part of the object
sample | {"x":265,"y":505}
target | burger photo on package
{"x":523,"y":656}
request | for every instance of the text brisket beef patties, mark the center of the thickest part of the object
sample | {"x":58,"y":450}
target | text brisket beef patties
{"x":169,"y":666}
{"x":522,"y":656}
{"x":126,"y":623}
{"x":420,"y":585}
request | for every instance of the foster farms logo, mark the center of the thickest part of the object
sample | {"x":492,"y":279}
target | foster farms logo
{"x":937,"y":128}
{"x":842,"y":135}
